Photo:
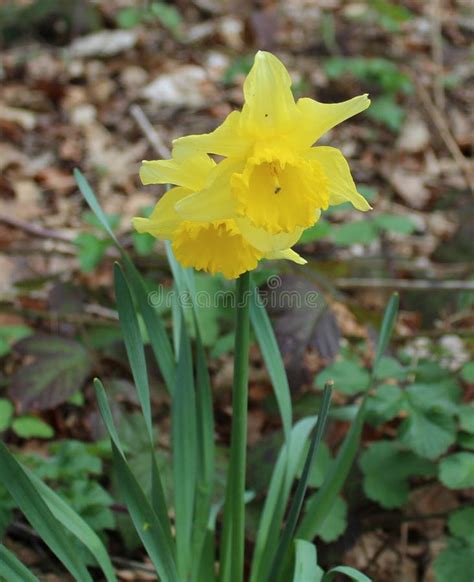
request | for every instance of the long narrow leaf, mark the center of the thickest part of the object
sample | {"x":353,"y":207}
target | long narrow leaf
{"x":184,"y":437}
{"x":386,"y":329}
{"x":21,"y":488}
{"x":288,"y":462}
{"x":12,"y":570}
{"x":205,"y":452}
{"x":148,"y":526}
{"x":322,"y":503}
{"x":272,"y":357}
{"x":93,"y":203}
{"x":351,"y":573}
{"x":73,"y":522}
{"x":159,"y":340}
{"x":133,"y":344}
{"x":297,"y":503}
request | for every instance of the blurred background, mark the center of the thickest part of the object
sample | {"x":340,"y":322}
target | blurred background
{"x":102,"y":85}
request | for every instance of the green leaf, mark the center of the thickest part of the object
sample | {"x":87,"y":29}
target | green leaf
{"x":167,"y":15}
{"x":94,"y":205}
{"x":184,"y":436}
{"x":28,"y":427}
{"x":387,"y":111}
{"x":289,"y":460}
{"x":387,"y":469}
{"x":386,"y":330}
{"x":25,"y":494}
{"x":395,"y":223}
{"x":466,"y":417}
{"x":129,"y":17}
{"x":347,"y":571}
{"x":9,"y":334}
{"x":155,"y":327}
{"x":60,"y":368}
{"x":428,"y":433}
{"x":455,"y":563}
{"x":91,"y":250}
{"x":298,"y":499}
{"x":319,"y":468}
{"x":320,"y":230}
{"x":306,"y":563}
{"x":12,"y":570}
{"x":143,"y":243}
{"x":360,"y":231}
{"x":272,"y":358}
{"x":63,"y":512}
{"x":385,"y":404}
{"x":461,"y":522}
{"x":151,"y":529}
{"x":348,"y":376}
{"x":390,"y":368}
{"x":134,"y":345}
{"x":6,"y":413}
{"x":440,"y":396}
{"x":335,"y":523}
{"x":457,"y":471}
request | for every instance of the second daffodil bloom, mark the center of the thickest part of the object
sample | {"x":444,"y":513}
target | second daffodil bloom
{"x":278,"y":180}
{"x":271,"y":185}
{"x":230,"y":245}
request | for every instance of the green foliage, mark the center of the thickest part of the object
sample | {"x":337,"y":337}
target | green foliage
{"x":390,"y":15}
{"x":348,"y":376}
{"x":32,"y":427}
{"x":9,"y":334}
{"x":6,"y":413}
{"x":387,"y":111}
{"x":387,"y":469}
{"x":166,"y":14}
{"x":457,"y":471}
{"x":456,"y":562}
{"x":240,"y":67}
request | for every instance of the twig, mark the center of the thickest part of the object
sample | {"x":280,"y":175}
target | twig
{"x":36,"y":229}
{"x":411,"y":285}
{"x":437,"y":53}
{"x":150,"y":132}
{"x":442,"y":126}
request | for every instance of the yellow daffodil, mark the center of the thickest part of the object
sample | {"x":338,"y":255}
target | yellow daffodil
{"x":278,"y":181}
{"x":230,"y":244}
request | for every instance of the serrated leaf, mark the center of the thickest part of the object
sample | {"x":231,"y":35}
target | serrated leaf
{"x":386,"y":470}
{"x":335,"y":523}
{"x":390,"y":368}
{"x":428,"y":433}
{"x":455,"y":563}
{"x":444,"y":395}
{"x":349,"y":377}
{"x":59,"y":371}
{"x":385,"y":404}
{"x":461,"y":523}
{"x":28,"y":427}
{"x":457,"y":471}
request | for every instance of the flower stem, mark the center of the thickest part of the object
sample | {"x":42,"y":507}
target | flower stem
{"x":233,"y":537}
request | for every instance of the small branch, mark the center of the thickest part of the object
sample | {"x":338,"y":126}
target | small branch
{"x":411,"y":285}
{"x":150,"y":132}
{"x":437,"y":53}
{"x":36,"y":229}
{"x":439,"y":120}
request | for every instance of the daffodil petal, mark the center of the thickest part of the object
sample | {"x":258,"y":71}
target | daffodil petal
{"x":223,"y":141}
{"x":289,"y":255}
{"x":164,"y":219}
{"x":318,"y":118}
{"x":340,"y":182}
{"x":215,"y":201}
{"x":269,"y":107}
{"x":188,"y":171}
